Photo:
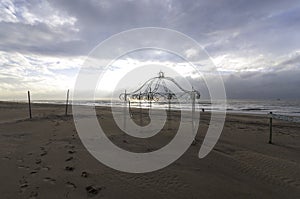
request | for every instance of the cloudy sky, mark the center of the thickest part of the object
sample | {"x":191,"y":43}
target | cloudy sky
{"x":254,"y":44}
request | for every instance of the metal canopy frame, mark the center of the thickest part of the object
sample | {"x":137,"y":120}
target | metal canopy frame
{"x":156,"y":89}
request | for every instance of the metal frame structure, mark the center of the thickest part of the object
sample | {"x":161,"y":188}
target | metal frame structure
{"x":156,"y":89}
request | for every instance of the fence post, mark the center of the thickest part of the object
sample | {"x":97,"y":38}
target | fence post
{"x":270,"y":125}
{"x":125,"y":111}
{"x":141,"y":111}
{"x":29,"y":104}
{"x":193,"y":112}
{"x":67,"y":103}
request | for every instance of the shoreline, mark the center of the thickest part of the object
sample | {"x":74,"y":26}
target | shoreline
{"x":230,"y":112}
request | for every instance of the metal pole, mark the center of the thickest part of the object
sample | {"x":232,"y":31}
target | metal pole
{"x":29,"y":105}
{"x":67,"y":102}
{"x":270,"y":136}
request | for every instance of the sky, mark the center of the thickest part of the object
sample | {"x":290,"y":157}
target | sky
{"x":254,"y":44}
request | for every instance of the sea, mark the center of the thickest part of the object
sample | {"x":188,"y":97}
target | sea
{"x":245,"y":106}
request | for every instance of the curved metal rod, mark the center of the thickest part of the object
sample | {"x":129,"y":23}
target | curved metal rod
{"x":151,"y":94}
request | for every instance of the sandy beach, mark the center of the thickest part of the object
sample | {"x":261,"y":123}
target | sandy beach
{"x":44,"y":158}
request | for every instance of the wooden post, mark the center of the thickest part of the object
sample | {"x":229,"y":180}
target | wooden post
{"x":67,"y":102}
{"x":125,"y":111}
{"x":150,"y":98}
{"x":141,"y":113}
{"x":129,"y":109}
{"x":193,"y":111}
{"x":169,"y":109}
{"x":29,"y":105}
{"x":169,"y":113}
{"x":270,"y":125}
{"x":125,"y":96}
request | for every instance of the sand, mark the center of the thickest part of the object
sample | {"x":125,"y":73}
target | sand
{"x":44,"y":158}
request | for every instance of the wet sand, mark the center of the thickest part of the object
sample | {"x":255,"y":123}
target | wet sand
{"x":44,"y":158}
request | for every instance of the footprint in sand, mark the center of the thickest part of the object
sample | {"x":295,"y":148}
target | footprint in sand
{"x":44,"y":151}
{"x":38,"y":161}
{"x":23,"y":167}
{"x":69,"y":159}
{"x":23,"y":184}
{"x":33,"y":172}
{"x":71,"y":151}
{"x":92,"y":190}
{"x":33,"y":195}
{"x":195,"y":142}
{"x":68,"y":168}
{"x":46,"y":168}
{"x":69,"y":146}
{"x":71,"y":185}
{"x":50,"y":180}
{"x":84,"y":174}
{"x":37,"y":168}
{"x":6,"y":158}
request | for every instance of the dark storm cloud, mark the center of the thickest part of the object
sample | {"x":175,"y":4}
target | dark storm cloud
{"x":279,"y":85}
{"x":221,"y":25}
